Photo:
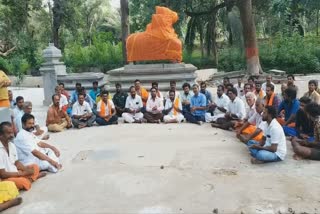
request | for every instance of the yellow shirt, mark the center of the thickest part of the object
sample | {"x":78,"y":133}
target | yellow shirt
{"x":3,"y":89}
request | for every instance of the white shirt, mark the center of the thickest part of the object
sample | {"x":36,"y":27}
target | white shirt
{"x":169,"y":105}
{"x":134,"y":103}
{"x":78,"y":109}
{"x":18,"y":121}
{"x":17,"y":111}
{"x":157,"y":102}
{"x":221,"y":102}
{"x":177,"y":94}
{"x":26,"y":142}
{"x":237,"y":107}
{"x":7,"y":162}
{"x":274,"y":135}
{"x":250,"y":111}
{"x":239,"y":90}
{"x":63,"y":101}
{"x":264,"y":86}
{"x":107,"y":107}
{"x":160,"y":95}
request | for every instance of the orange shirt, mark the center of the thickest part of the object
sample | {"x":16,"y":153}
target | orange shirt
{"x":143,"y":93}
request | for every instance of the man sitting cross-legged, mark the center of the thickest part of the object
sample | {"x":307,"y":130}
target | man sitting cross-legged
{"x":31,"y":150}
{"x":57,"y":119}
{"x":106,"y":111}
{"x":304,"y":126}
{"x":198,"y":107}
{"x":173,"y":109}
{"x":133,"y":108}
{"x":253,"y":128}
{"x":273,"y":146}
{"x":271,"y":98}
{"x":301,"y":147}
{"x":235,"y":113}
{"x":10,"y":168}
{"x":82,"y":115}
{"x":290,"y":105}
{"x":154,"y":108}
{"x":119,"y":99}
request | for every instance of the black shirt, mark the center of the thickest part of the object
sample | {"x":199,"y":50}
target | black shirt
{"x":303,"y":123}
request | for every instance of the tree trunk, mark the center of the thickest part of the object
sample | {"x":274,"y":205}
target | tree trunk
{"x":317,"y":22}
{"x":57,"y":13}
{"x":124,"y":27}
{"x":249,"y":37}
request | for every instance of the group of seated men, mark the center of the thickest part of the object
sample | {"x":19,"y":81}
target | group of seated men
{"x":260,"y":117}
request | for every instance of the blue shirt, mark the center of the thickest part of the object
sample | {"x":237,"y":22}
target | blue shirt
{"x":198,"y":101}
{"x":74,"y":97}
{"x":289,"y":108}
{"x":93,"y":94}
{"x":208,"y":96}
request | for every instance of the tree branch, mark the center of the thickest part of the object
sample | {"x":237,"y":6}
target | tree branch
{"x":213,"y":10}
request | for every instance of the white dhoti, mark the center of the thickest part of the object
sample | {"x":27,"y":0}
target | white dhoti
{"x":45,"y":165}
{"x":179,"y":118}
{"x":213,"y":118}
{"x":130,"y":118}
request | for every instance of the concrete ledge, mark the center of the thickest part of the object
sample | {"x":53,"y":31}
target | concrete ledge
{"x":5,"y":115}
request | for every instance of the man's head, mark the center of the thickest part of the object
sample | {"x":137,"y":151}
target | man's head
{"x":153,"y":92}
{"x":61,"y":84}
{"x":10,"y":95}
{"x":229,"y":86}
{"x":250,"y":98}
{"x":240,"y":80}
{"x":137,"y":84}
{"x":19,"y":102}
{"x":312,"y":110}
{"x":186,"y":88}
{"x":95,"y":85}
{"x":259,"y":106}
{"x":269,"y":113}
{"x":104,"y":96}
{"x":203,"y":86}
{"x":226,"y":81}
{"x":247,"y":88}
{"x":303,"y":102}
{"x":258,"y":86}
{"x":132,"y":91}
{"x":56,"y":100}
{"x":81,"y":98}
{"x":220,"y":90}
{"x":195,"y":89}
{"x":269,"y":79}
{"x":28,"y":122}
{"x":290,"y":79}
{"x":313,"y":85}
{"x":83,"y":91}
{"x":78,"y":86}
{"x":172,"y":95}
{"x":251,"y":80}
{"x":155,"y":85}
{"x":173,"y":85}
{"x":27,"y":107}
{"x":58,"y":90}
{"x":269,"y":90}
{"x":283,"y":87}
{"x":118,"y":87}
{"x":6,"y":132}
{"x":290,"y":94}
{"x":232,"y":93}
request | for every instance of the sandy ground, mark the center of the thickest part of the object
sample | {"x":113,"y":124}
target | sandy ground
{"x":165,"y":169}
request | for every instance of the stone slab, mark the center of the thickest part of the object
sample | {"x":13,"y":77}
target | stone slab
{"x":85,"y":79}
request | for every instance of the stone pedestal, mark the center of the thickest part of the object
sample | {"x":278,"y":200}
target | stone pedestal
{"x":148,"y":73}
{"x":51,"y":69}
{"x":5,"y":115}
{"x":86,"y":80}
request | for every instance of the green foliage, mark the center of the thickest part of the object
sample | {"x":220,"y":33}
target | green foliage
{"x":231,"y":59}
{"x":197,"y":60}
{"x":103,"y":54}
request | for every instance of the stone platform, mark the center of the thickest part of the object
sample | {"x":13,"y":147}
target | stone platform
{"x":86,"y":80}
{"x":5,"y":115}
{"x":148,"y":73}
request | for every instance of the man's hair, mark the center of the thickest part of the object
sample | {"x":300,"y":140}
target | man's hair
{"x":61,"y":83}
{"x":57,"y":88}
{"x":229,"y":85}
{"x":313,"y":109}
{"x":153,"y":88}
{"x":291,"y":93}
{"x":19,"y":98}
{"x":82,"y":94}
{"x":173,"y":82}
{"x":305,"y":100}
{"x":251,"y":78}
{"x":270,"y":86}
{"x":95,"y":83}
{"x":26,"y":117}
{"x":203,"y":83}
{"x":3,"y":125}
{"x":195,"y":85}
{"x":221,"y":86}
{"x":78,"y":84}
{"x":118,"y":84}
{"x":154,"y":83}
{"x":131,"y":87}
{"x":251,"y":95}
{"x":172,"y":91}
{"x":27,"y":104}
{"x":272,"y":111}
{"x":137,"y":80}
{"x":290,"y":75}
{"x":315,"y":82}
{"x":258,"y":82}
{"x":104,"y":92}
{"x":233,"y":90}
{"x":248,"y":85}
{"x":186,"y":85}
{"x":226,"y":78}
{"x":53,"y":96}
